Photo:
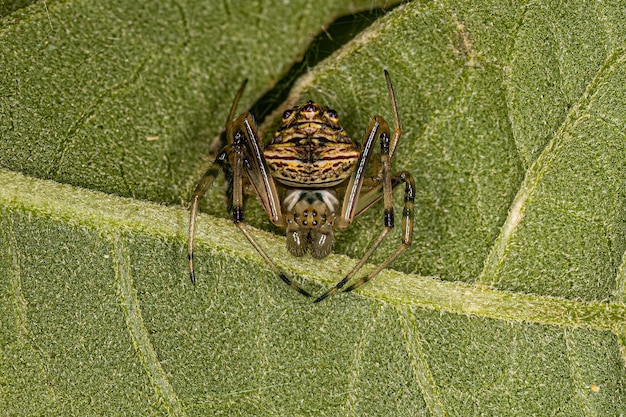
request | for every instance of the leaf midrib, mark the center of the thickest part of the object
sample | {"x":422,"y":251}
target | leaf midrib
{"x":109,"y":214}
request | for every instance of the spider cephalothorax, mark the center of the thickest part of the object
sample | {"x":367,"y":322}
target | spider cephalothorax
{"x":310,"y":179}
{"x":310,"y":219}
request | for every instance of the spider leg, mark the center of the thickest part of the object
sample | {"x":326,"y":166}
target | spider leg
{"x":407,"y":228}
{"x":269,"y":261}
{"x":356,"y":202}
{"x":206,"y":181}
{"x":378,"y":129}
{"x":247,"y":157}
{"x":203,"y":185}
{"x":397,"y":130}
{"x":406,"y":239}
{"x":256,"y":169}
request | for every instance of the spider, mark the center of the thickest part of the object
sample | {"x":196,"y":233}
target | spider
{"x":311,"y":179}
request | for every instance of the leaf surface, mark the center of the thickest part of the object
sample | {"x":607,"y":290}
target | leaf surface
{"x":509,"y":302}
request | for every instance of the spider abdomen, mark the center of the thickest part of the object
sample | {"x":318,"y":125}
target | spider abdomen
{"x":311,"y":165}
{"x":311,"y":149}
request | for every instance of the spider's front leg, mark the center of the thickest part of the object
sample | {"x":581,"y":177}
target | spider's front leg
{"x":248,"y":159}
{"x":355,"y":201}
{"x":207,"y":179}
{"x":243,"y":154}
{"x":353,"y":206}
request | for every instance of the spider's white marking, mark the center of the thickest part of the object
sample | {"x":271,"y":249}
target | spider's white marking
{"x":329,"y":198}
{"x":296,"y":238}
{"x":325,"y":196}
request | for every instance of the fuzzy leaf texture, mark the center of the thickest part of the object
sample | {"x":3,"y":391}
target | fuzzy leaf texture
{"x":510,"y":301}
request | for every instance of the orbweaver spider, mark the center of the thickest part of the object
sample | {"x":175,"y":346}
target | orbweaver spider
{"x":311,"y":179}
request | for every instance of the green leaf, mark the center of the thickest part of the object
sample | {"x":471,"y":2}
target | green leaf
{"x":509,"y":302}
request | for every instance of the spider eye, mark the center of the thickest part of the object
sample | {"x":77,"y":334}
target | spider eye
{"x":332,"y":114}
{"x":287,"y":114}
{"x":309,"y":107}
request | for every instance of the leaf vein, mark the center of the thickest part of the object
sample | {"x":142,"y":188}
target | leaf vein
{"x":138,"y":332}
